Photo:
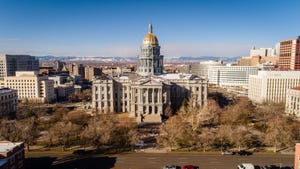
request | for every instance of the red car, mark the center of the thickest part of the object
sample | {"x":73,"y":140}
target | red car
{"x":190,"y":167}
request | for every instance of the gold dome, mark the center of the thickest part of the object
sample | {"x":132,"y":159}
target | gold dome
{"x":150,"y":38}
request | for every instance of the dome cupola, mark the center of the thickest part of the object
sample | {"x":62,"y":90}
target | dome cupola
{"x":150,"y":38}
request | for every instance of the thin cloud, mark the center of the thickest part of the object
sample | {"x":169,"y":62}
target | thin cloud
{"x":168,"y":50}
{"x":9,"y":39}
{"x":175,"y":50}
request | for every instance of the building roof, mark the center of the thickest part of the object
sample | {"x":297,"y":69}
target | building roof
{"x":176,"y":76}
{"x":5,"y":90}
{"x":296,"y":88}
{"x":6,"y":146}
{"x":279,"y":74}
{"x":2,"y":162}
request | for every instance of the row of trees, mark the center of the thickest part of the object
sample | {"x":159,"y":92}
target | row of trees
{"x":239,"y":125}
{"x":61,"y":126}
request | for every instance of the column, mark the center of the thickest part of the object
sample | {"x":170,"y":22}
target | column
{"x":147,"y":96}
{"x":153,"y":96}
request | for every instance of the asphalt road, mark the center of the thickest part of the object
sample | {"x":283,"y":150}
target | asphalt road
{"x":150,"y":161}
{"x":157,"y":161}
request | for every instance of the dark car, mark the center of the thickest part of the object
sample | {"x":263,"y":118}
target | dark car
{"x":243,"y":153}
{"x":79,"y":152}
{"x":171,"y":167}
{"x":190,"y":167}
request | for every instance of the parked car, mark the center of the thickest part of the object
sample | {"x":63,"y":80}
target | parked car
{"x":246,"y":166}
{"x":227,"y":152}
{"x":243,"y":153}
{"x":190,"y":167}
{"x":171,"y":167}
{"x":79,"y":152}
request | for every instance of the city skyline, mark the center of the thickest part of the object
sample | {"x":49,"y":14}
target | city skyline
{"x":116,"y":28}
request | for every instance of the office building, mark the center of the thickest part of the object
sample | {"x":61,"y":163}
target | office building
{"x":258,"y":61}
{"x":201,"y":68}
{"x":271,"y":86}
{"x":91,"y":72}
{"x":31,"y":87}
{"x":9,"y":64}
{"x":231,"y":75}
{"x":263,"y":52}
{"x":292,"y":103}
{"x":8,"y":102}
{"x":146,"y":94}
{"x":12,"y":155}
{"x":289,"y":58}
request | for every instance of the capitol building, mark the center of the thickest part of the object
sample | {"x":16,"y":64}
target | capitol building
{"x":148,"y":92}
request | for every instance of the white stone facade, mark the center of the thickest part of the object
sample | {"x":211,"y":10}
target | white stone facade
{"x":292,"y":104}
{"x":148,"y":93}
{"x":31,"y":86}
{"x":271,"y":86}
{"x":231,"y":75}
{"x":147,"y":97}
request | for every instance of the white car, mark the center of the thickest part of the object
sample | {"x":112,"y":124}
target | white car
{"x":246,"y":166}
{"x":170,"y":167}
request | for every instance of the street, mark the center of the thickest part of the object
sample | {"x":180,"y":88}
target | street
{"x":152,"y":161}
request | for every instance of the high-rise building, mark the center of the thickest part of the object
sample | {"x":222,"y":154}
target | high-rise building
{"x":231,"y":75}
{"x":76,"y":69}
{"x":289,"y":58}
{"x":257,"y":60}
{"x":91,"y":72}
{"x":263,"y":52}
{"x":8,"y":102}
{"x":9,"y":64}
{"x":148,"y":93}
{"x":31,"y":86}
{"x":271,"y":86}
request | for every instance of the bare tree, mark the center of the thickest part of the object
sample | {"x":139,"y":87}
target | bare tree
{"x":279,"y":132}
{"x":99,"y":130}
{"x":10,"y":130}
{"x":210,"y":113}
{"x":206,"y":138}
{"x":29,"y":131}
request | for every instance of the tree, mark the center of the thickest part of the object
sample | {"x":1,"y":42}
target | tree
{"x":168,"y":111}
{"x":241,"y":136}
{"x":224,"y":136}
{"x":78,"y":117}
{"x":239,"y":113}
{"x":206,"y":138}
{"x":29,"y":131}
{"x":210,"y":113}
{"x":10,"y":130}
{"x":279,"y":132}
{"x":64,"y":132}
{"x":176,"y":132}
{"x":99,"y":130}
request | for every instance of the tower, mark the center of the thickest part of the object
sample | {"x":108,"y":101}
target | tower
{"x":150,"y":62}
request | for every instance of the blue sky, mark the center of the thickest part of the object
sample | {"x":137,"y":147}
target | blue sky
{"x":116,"y":28}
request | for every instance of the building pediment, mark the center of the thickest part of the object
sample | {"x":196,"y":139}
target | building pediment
{"x":148,"y":82}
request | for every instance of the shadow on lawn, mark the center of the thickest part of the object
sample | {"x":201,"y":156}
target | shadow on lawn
{"x":71,"y":162}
